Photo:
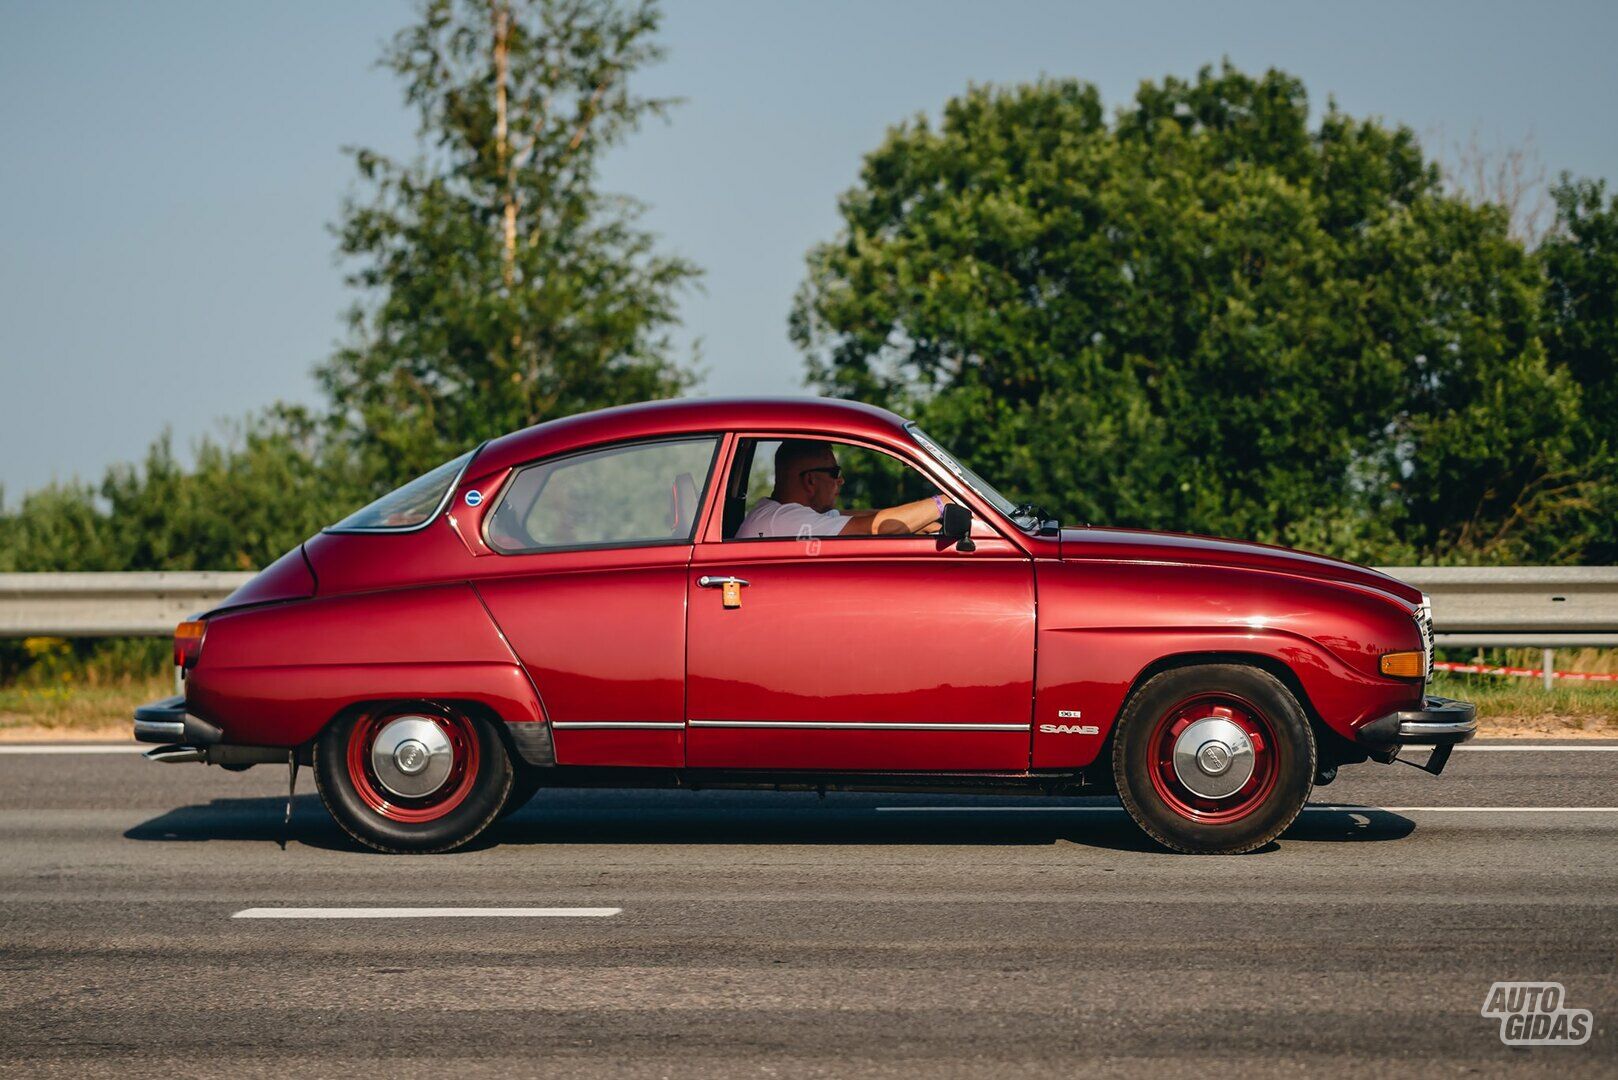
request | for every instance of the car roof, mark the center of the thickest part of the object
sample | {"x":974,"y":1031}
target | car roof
{"x":807,"y":415}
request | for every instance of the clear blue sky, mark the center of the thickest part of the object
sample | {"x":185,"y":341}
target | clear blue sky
{"x":168,"y":170}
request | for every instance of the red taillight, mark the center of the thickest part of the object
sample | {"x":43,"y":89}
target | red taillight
{"x":188,"y":644}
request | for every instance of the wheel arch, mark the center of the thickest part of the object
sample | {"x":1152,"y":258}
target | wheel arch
{"x":526,"y":738}
{"x":1200,"y":658}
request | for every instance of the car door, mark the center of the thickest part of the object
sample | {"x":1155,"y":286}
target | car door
{"x":871,"y":653}
{"x":591,"y":592}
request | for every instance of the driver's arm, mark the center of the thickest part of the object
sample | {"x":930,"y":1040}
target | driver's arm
{"x":910,"y":517}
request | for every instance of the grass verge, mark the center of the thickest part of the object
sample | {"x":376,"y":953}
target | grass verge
{"x":79,"y":712}
{"x":1522,"y":707}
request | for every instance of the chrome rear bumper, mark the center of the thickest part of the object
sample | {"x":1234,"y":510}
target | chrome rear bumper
{"x":167,"y":721}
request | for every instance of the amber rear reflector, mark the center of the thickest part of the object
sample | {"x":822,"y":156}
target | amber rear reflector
{"x":1405,"y":665}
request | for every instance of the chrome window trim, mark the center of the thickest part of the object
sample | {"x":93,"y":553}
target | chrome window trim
{"x":515,"y":471}
{"x":443,"y":504}
{"x":934,"y":470}
{"x":947,"y":461}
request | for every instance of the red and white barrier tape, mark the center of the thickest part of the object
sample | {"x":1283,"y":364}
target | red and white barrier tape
{"x":1524,"y":672}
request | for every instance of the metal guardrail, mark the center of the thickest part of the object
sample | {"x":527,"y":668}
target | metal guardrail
{"x":1532,"y":606}
{"x":108,"y":605}
{"x":1543,"y":607}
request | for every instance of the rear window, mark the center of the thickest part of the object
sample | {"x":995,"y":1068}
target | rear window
{"x":411,"y":506}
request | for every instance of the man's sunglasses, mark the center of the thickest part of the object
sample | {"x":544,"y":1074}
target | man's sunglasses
{"x":833,"y":471}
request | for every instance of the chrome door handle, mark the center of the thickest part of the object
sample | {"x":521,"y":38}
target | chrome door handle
{"x":707,"y":582}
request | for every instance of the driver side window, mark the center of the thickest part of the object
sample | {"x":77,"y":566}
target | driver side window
{"x":869,"y":479}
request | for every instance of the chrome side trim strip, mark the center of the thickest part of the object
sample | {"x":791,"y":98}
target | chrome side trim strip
{"x":620,"y":725}
{"x":821,"y":725}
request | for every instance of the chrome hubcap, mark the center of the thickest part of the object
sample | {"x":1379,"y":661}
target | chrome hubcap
{"x":1213,"y":757}
{"x":412,"y":756}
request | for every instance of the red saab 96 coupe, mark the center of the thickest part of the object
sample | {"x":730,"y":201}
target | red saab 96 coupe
{"x":805,"y":594}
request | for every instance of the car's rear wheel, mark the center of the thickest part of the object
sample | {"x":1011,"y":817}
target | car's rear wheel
{"x":412,"y":778}
{"x":1213,"y":759}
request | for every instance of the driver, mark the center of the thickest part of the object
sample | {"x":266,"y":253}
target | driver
{"x":807,"y":482}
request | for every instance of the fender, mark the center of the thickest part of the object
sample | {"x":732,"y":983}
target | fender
{"x":1097,"y":637}
{"x":267,"y":679}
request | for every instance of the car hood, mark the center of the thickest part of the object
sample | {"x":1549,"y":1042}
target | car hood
{"x":1139,"y":545}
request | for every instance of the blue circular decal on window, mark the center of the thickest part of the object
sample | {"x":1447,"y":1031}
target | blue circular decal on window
{"x":474,"y":497}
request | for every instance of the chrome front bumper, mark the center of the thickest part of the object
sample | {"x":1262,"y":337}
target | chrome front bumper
{"x":1440,"y":723}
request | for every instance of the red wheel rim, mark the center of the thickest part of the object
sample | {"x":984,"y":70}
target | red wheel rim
{"x":432,"y":806}
{"x":1239,"y":803}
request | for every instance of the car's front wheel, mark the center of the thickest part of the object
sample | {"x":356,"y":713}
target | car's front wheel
{"x":412,"y":778}
{"x":1213,"y":759}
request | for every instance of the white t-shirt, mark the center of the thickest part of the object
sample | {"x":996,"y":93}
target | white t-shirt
{"x":770,"y":518}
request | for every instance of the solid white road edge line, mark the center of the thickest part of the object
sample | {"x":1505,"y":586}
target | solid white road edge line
{"x":428,"y":913}
{"x":1608,"y":749}
{"x":1307,"y":809}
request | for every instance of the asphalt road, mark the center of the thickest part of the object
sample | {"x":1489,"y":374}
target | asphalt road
{"x":783,"y":935}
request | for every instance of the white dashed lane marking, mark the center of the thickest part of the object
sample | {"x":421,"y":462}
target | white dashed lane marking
{"x":427,"y":913}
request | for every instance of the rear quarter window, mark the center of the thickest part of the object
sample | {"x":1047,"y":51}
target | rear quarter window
{"x":410,"y":506}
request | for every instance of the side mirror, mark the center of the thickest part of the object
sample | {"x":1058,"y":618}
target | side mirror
{"x":956,"y":525}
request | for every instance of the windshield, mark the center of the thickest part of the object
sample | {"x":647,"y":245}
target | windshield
{"x":411,"y":506}
{"x":1024,"y":518}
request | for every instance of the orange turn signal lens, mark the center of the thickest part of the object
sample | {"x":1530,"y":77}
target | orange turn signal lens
{"x":1405,"y":665}
{"x":188,"y":643}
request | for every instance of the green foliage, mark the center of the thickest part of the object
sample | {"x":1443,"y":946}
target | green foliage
{"x":1581,"y":334}
{"x":275,"y":481}
{"x":63,"y":662}
{"x":502,"y":288}
{"x":1205,"y":315}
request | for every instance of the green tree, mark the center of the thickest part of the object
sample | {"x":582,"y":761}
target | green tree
{"x":1204,"y":315}
{"x":1581,"y":334}
{"x":502,"y":287}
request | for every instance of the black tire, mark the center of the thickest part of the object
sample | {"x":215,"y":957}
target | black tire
{"x":1157,"y":720}
{"x":525,"y":784}
{"x":461,"y":808}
